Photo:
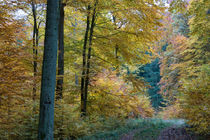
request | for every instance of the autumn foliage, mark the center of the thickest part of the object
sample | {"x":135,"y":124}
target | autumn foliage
{"x":185,"y":69}
{"x":120,"y":58}
{"x":111,"y":96}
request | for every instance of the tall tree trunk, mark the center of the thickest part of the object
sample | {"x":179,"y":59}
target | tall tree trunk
{"x":46,"y":114}
{"x":35,"y":51}
{"x":9,"y":117}
{"x":59,"y":88}
{"x":76,"y":79}
{"x":116,"y":49}
{"x":89,"y":57}
{"x":83,"y":110}
{"x":117,"y":61}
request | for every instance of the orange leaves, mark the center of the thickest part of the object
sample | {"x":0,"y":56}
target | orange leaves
{"x":13,"y":74}
{"x":172,"y":67}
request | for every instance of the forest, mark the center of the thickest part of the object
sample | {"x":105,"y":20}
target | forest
{"x":104,"y":69}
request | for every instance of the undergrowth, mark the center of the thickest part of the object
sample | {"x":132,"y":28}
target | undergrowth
{"x":141,"y":129}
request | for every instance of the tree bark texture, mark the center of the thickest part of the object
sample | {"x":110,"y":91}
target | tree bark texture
{"x":59,"y":88}
{"x":83,"y":110}
{"x":89,"y":57}
{"x":48,"y":83}
{"x":35,"y":47}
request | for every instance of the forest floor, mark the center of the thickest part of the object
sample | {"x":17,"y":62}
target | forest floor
{"x":148,"y":129}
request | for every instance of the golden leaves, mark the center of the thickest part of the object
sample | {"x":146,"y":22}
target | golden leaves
{"x":112,"y":97}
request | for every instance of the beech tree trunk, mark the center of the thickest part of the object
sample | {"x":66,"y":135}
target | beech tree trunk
{"x":83,"y":109}
{"x":35,"y":51}
{"x":116,"y":49}
{"x":117,"y":61}
{"x":46,"y":114}
{"x":59,"y":88}
{"x":89,"y":57}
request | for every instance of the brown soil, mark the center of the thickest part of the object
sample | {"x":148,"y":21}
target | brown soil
{"x":174,"y":133}
{"x":170,"y":133}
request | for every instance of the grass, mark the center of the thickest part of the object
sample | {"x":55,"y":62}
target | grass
{"x":141,"y":129}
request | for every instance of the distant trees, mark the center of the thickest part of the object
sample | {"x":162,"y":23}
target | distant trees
{"x":151,"y":74}
{"x":195,"y":68}
{"x":185,"y":66}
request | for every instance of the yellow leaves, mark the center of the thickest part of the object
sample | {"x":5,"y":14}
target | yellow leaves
{"x":199,"y":23}
{"x":134,"y":31}
{"x":112,"y":97}
{"x":171,"y":111}
{"x":178,"y":5}
{"x":196,"y":101}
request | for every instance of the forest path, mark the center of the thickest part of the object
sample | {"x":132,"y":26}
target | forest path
{"x":147,"y":129}
{"x":174,"y":132}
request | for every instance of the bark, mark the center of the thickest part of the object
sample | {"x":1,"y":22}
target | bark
{"x":35,"y":51}
{"x":48,"y":83}
{"x":59,"y":88}
{"x":89,"y":57}
{"x":83,"y":110}
{"x":117,"y":61}
{"x":76,"y":79}
{"x":116,"y":50}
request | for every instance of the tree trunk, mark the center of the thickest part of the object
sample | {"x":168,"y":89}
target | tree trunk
{"x":35,"y":51}
{"x":46,"y":114}
{"x":83,"y":110}
{"x":59,"y":88}
{"x":117,"y":61}
{"x":76,"y":79}
{"x":89,"y":57}
{"x":116,"y":49}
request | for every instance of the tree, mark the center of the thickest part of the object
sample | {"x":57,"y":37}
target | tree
{"x":14,"y":72}
{"x":185,"y":66}
{"x":46,"y":116}
{"x":195,"y":68}
{"x":197,"y":53}
{"x":35,"y":45}
{"x":87,"y":76}
{"x":151,"y":74}
{"x":109,"y":35}
{"x":59,"y":88}
{"x":174,"y":40}
{"x":83,"y":101}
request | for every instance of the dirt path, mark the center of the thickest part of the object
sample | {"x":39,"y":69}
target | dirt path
{"x":129,"y":136}
{"x":174,"y":133}
{"x":170,"y":133}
